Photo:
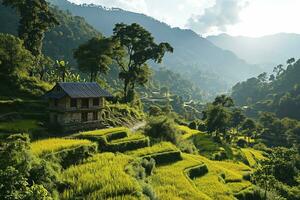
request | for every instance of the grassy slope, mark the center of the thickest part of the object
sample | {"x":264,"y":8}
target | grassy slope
{"x":97,"y":179}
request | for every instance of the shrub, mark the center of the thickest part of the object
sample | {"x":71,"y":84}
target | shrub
{"x":154,"y":110}
{"x":187,"y":146}
{"x":126,"y":145}
{"x":193,"y":125}
{"x":197,"y":171}
{"x":220,"y":155}
{"x":68,"y":157}
{"x":241,"y":142}
{"x":162,"y":128}
{"x":165,"y":157}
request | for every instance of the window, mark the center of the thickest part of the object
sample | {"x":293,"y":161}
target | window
{"x":96,"y":102}
{"x":73,"y":103}
{"x":84,"y":103}
{"x":84,"y":117}
{"x":55,"y":102}
{"x":95,"y":116}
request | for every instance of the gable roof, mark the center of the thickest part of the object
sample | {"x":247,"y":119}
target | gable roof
{"x":78,"y":90}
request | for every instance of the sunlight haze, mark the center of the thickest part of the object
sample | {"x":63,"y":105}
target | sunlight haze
{"x":235,"y":17}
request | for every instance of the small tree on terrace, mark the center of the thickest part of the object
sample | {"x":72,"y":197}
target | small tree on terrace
{"x":137,"y":46}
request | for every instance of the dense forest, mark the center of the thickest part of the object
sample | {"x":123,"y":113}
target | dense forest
{"x":161,"y":136}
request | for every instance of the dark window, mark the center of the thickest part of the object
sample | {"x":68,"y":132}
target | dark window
{"x":73,"y":103}
{"x":84,"y":103}
{"x":95,"y":116}
{"x":84,"y":117}
{"x":96,"y":102}
{"x":55,"y":102}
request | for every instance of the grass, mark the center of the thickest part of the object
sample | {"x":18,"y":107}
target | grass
{"x":41,"y":147}
{"x":157,"y":148}
{"x":170,"y":181}
{"x":131,"y":137}
{"x":253,"y":156}
{"x":187,"y":132}
{"x":216,"y":187}
{"x":19,"y":126}
{"x":102,"y":132}
{"x":101,"y":177}
{"x":206,"y":145}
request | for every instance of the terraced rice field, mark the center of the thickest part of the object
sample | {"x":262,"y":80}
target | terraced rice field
{"x":56,"y":144}
{"x":187,"y":132}
{"x":157,"y":148}
{"x":103,"y":132}
{"x":253,"y":156}
{"x":216,"y":187}
{"x":171,"y":182}
{"x":101,"y":177}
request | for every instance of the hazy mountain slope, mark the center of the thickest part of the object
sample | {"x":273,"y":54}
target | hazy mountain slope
{"x":271,"y":49}
{"x":192,"y":52}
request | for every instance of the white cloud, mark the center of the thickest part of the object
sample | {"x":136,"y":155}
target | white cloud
{"x":217,"y":18}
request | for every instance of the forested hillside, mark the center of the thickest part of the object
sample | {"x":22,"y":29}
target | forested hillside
{"x":198,"y":58}
{"x":278,"y":92}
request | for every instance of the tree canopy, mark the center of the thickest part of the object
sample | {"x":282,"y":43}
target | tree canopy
{"x":137,"y":46}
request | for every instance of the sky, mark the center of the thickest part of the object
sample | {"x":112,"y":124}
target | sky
{"x":252,"y":18}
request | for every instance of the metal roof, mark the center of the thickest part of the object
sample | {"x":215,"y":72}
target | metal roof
{"x":78,"y":90}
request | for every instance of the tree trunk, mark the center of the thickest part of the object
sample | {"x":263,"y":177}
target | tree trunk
{"x":126,"y":82}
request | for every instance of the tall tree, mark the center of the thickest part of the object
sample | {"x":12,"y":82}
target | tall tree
{"x":137,"y":46}
{"x":217,"y":119}
{"x":95,"y":56}
{"x":36,"y":19}
{"x":223,"y":100}
{"x":14,"y":58}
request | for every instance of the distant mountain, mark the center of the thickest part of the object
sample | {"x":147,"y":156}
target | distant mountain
{"x":194,"y":55}
{"x":267,"y":50}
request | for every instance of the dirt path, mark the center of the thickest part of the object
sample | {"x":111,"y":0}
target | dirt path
{"x":137,"y":126}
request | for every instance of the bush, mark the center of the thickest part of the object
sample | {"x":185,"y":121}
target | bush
{"x":154,"y":110}
{"x":241,"y":143}
{"x":193,"y":125}
{"x":251,"y":193}
{"x":197,"y":171}
{"x":162,"y":128}
{"x":126,"y":146}
{"x":165,"y":157}
{"x":220,"y":155}
{"x":68,"y":157}
{"x":187,"y":146}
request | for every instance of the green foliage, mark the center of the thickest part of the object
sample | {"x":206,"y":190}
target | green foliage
{"x":15,"y":59}
{"x":137,"y":46}
{"x":224,"y":101}
{"x":279,"y":95}
{"x":278,"y":172}
{"x":36,"y":19}
{"x":22,"y":175}
{"x":162,"y":128}
{"x":217,"y":119}
{"x":95,"y":56}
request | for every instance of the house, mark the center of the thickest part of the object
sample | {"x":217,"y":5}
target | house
{"x":76,"y":106}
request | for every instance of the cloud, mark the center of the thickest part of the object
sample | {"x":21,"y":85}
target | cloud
{"x":218,"y":17}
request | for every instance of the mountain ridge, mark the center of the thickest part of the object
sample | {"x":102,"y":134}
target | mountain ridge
{"x":267,"y":50}
{"x":192,"y":51}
